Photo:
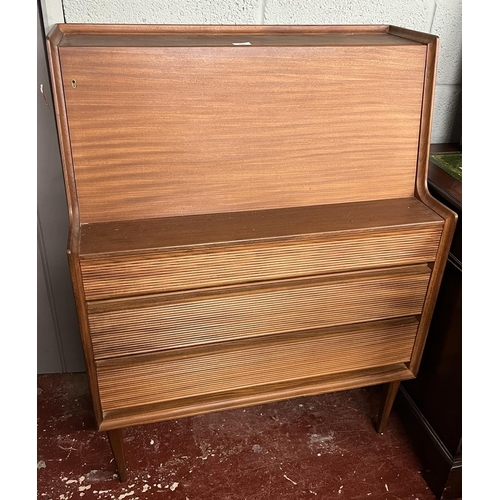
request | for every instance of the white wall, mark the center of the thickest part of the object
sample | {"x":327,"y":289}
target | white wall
{"x":439,"y":17}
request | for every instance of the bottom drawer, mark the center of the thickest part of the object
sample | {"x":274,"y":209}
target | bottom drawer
{"x":133,"y":381}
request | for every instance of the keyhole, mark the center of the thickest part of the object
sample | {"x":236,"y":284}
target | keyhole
{"x":73,"y":83}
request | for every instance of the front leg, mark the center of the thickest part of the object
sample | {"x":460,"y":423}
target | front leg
{"x":116,"y":441}
{"x":391,"y":390}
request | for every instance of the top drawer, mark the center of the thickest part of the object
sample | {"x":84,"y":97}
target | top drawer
{"x":182,"y":253}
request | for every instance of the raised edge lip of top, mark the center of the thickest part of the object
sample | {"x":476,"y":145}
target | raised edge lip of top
{"x":61,"y":30}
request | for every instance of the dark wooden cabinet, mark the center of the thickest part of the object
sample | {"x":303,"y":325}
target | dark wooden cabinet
{"x":431,"y":404}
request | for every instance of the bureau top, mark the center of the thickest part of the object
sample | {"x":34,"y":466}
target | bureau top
{"x":159,"y":120}
{"x":85,"y":35}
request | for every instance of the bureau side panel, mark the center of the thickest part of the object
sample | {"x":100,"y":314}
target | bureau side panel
{"x":163,"y":131}
{"x":422,"y":193}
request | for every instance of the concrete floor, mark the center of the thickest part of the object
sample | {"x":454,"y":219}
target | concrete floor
{"x":322,"y":447}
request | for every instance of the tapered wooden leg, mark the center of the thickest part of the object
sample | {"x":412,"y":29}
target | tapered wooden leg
{"x":391,"y":390}
{"x":116,"y":441}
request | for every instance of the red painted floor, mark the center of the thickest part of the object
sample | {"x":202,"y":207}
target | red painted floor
{"x":322,"y":447}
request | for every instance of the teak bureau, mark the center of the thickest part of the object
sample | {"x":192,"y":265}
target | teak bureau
{"x":249,"y":213}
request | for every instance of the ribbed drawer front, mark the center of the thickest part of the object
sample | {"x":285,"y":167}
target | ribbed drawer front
{"x":128,"y":381}
{"x":198,"y":268}
{"x":126,"y":327}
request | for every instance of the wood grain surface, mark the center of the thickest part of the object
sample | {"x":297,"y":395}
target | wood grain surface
{"x":128,"y":276}
{"x":124,"y":327}
{"x":178,"y":253}
{"x":248,"y":396}
{"x":219,"y":132}
{"x":124,"y":384}
{"x":145,"y":236}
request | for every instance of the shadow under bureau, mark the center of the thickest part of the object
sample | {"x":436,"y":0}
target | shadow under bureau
{"x":249,"y":213}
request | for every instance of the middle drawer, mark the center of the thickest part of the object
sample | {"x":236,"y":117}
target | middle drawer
{"x":180,"y":319}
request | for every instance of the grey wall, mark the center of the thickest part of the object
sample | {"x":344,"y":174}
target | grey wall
{"x":58,"y":341}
